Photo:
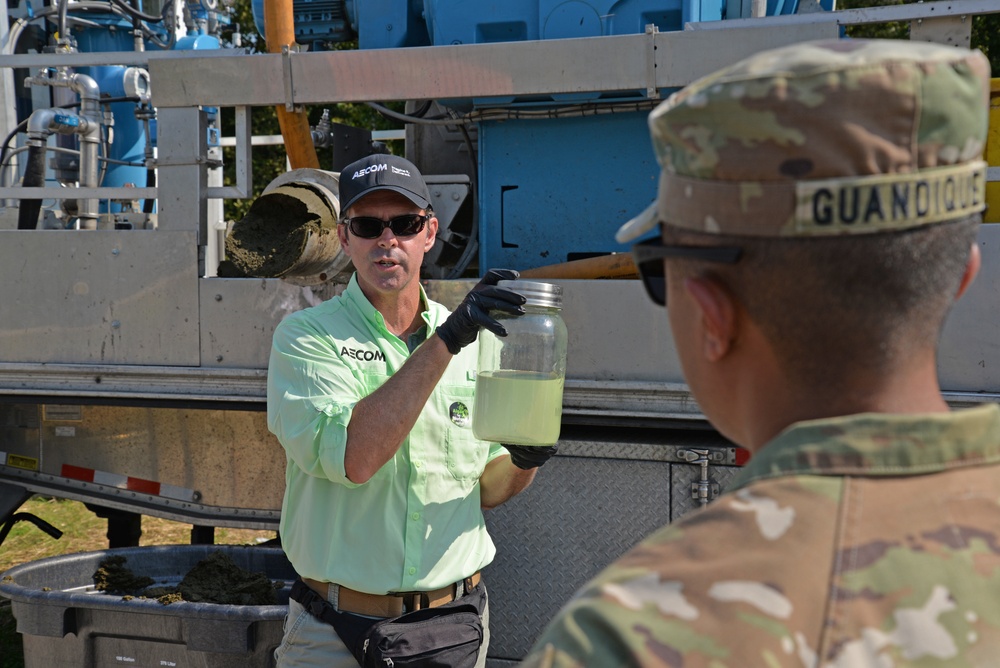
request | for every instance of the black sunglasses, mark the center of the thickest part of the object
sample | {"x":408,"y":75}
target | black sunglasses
{"x":649,"y":255}
{"x":369,"y":227}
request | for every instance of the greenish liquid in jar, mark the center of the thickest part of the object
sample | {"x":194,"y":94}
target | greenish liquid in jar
{"x":519,"y":407}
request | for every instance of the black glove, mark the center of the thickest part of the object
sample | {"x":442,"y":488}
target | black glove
{"x":462,"y":327}
{"x":530,"y":456}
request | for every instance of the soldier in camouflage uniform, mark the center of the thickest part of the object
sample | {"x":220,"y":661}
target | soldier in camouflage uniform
{"x":818,"y":208}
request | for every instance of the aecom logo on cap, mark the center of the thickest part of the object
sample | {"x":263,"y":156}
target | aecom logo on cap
{"x":379,"y":168}
{"x":371,"y":169}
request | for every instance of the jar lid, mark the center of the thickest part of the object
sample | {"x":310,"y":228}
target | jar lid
{"x":536,"y":294}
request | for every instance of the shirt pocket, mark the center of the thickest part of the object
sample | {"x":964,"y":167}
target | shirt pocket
{"x":465,"y":455}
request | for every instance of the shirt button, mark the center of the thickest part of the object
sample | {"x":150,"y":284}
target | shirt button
{"x":415,"y":516}
{"x":412,"y":570}
{"x":418,"y":464}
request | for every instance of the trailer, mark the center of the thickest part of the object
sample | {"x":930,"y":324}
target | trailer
{"x":133,"y":359}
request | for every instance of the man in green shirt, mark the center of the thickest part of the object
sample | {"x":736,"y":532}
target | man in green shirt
{"x":370,"y":394}
{"x":817,"y":217}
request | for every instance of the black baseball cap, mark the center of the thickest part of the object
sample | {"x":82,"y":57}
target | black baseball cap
{"x":382,"y":171}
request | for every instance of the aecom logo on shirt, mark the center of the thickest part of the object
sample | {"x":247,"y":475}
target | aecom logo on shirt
{"x":362,"y":354}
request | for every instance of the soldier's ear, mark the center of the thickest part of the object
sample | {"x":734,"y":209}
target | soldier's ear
{"x":971,"y":270}
{"x":717,"y":310}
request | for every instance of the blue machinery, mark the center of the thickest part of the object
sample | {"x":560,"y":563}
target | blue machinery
{"x":106,"y":128}
{"x":577,"y":157}
{"x":580,"y":158}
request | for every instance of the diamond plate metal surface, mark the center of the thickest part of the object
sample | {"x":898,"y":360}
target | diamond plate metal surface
{"x":604,"y":491}
{"x":500,"y":663}
{"x":653,"y":443}
{"x":578,"y":516}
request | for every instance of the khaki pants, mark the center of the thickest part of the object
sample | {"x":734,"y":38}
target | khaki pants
{"x":312,"y":642}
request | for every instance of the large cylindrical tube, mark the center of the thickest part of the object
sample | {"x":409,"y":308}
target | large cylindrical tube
{"x":290,"y":232}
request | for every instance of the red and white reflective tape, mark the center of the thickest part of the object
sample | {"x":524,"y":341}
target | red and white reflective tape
{"x":127,"y":482}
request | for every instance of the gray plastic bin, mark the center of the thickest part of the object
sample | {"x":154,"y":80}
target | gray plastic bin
{"x":64,"y":621}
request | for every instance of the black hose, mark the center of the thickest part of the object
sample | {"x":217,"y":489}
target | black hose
{"x":423,"y":109}
{"x":34,"y":176}
{"x":472,"y":243}
{"x":6,"y":142}
{"x":147,"y":204}
{"x":131,"y":11}
{"x":33,"y":519}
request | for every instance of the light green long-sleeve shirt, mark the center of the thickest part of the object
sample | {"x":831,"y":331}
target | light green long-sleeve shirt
{"x":417,"y":524}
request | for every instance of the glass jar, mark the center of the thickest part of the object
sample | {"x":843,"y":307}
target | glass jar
{"x":519,"y":382}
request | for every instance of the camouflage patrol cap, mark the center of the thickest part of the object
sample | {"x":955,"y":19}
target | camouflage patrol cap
{"x":823,"y":138}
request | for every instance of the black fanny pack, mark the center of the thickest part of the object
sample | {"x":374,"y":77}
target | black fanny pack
{"x":448,"y":636}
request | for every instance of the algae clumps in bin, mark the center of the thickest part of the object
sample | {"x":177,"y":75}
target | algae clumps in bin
{"x":215,"y":579}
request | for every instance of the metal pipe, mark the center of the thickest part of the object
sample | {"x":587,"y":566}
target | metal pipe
{"x":86,"y":124}
{"x":279,"y":28}
{"x":63,"y":11}
{"x":90,"y":140}
{"x":613,"y":266}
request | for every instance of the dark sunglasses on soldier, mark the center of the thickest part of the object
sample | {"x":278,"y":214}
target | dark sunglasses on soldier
{"x":649,"y":256}
{"x":369,"y":227}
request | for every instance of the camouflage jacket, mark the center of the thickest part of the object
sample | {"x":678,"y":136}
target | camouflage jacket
{"x":868,"y":540}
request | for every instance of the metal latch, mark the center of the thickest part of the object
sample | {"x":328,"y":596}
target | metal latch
{"x":704,"y":489}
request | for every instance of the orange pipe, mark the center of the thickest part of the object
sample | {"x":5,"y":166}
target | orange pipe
{"x":614,"y":266}
{"x":279,"y":31}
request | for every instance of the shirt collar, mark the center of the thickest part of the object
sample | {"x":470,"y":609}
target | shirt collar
{"x":880,"y":444}
{"x":353,"y":292}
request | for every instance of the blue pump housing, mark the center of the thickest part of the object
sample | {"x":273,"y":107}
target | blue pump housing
{"x":557,"y":191}
{"x":551,"y":190}
{"x":125,"y":154}
{"x":129,"y":141}
{"x":383,"y":24}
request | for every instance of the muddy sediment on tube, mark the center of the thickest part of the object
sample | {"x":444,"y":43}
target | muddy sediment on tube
{"x":269,"y":240}
{"x":215,"y":579}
